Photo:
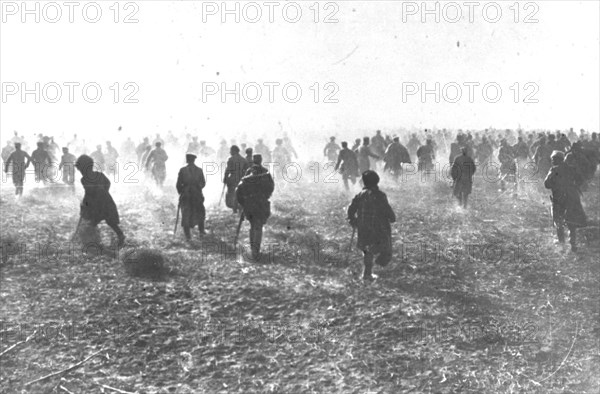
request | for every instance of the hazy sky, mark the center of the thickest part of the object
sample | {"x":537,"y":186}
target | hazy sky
{"x":367,"y":56}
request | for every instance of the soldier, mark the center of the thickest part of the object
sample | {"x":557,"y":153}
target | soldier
{"x":98,"y":158}
{"x":236,"y":168}
{"x":583,"y":163}
{"x":371,"y":213}
{"x":542,"y":156}
{"x":248,"y":157}
{"x":190,"y":183}
{"x":111,"y":157}
{"x":128,"y":149}
{"x":157,"y":158}
{"x":395,"y":155}
{"x":462,"y":172}
{"x":331,"y":150}
{"x":564,"y":143}
{"x":426,"y":156}
{"x":141,"y":148}
{"x":508,"y":168}
{"x":347,"y":163}
{"x":287,"y":143}
{"x":19,"y":160}
{"x":194,"y":146}
{"x":484,"y":151}
{"x":413,"y":144}
{"x":280,"y":156}
{"x":222,"y":152}
{"x":253,"y":194}
{"x":7,"y":150}
{"x":41,"y":161}
{"x":356,"y":145}
{"x":97,"y":204}
{"x":364,"y":152}
{"x":263,"y":150}
{"x":67,"y":165}
{"x":205,"y":151}
{"x":378,"y":144}
{"x":566,"y":204}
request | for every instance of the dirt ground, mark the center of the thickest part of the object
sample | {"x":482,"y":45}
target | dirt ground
{"x":479,"y":300}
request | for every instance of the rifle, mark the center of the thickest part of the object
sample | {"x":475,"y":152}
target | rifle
{"x":177,"y":217}
{"x":239,"y":226}
{"x":222,"y":193}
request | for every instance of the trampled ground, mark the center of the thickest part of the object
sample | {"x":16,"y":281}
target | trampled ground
{"x":474,"y":301}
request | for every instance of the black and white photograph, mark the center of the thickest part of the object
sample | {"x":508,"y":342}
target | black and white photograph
{"x":311,"y":196}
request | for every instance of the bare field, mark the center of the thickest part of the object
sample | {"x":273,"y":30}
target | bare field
{"x":477,"y":300}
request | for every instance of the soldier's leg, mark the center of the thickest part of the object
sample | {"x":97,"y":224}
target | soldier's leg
{"x":119,"y":233}
{"x":256,"y":231}
{"x":186,"y":231}
{"x":465,"y":197}
{"x":345,"y":179}
{"x":202,"y":219}
{"x":368,"y":269}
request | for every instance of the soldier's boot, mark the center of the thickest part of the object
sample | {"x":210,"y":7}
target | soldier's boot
{"x":255,"y":240}
{"x":201,"y":227}
{"x":186,"y":231}
{"x":573,"y":238}
{"x":368,"y":270}
{"x":120,"y":235}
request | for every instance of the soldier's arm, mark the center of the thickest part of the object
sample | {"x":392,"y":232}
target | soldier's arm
{"x":179,"y":183}
{"x":202,"y":180}
{"x":7,"y":163}
{"x":352,"y":209}
{"x":339,"y":161}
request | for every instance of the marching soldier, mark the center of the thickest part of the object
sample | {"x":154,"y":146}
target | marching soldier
{"x":263,"y":150}
{"x":158,"y":158}
{"x":426,"y":156}
{"x":364,"y":152}
{"x":249,"y":155}
{"x":462,"y":172}
{"x":190,"y":183}
{"x":20,"y":161}
{"x":97,"y":204}
{"x":236,"y":168}
{"x":395,"y":155}
{"x":67,"y":165}
{"x":98,"y":158}
{"x":253,"y":194}
{"x":347,"y":164}
{"x":567,"y":210}
{"x":371,"y":214}
{"x":331,"y":150}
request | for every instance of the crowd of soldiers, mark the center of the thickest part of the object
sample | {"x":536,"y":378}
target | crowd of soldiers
{"x":566,"y":161}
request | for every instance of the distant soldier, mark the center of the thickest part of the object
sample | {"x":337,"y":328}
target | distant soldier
{"x":364,"y":152}
{"x":67,"y":165}
{"x":98,"y":158}
{"x":263,"y":150}
{"x":111,"y":157}
{"x":97,"y":204}
{"x":223,"y":152}
{"x":19,"y":160}
{"x":394,"y":156}
{"x":521,"y":153}
{"x":371,"y":214}
{"x":253,"y":194}
{"x":356,"y":146}
{"x":158,"y":138}
{"x":485,"y":151}
{"x":462,"y":172}
{"x":280,"y":155}
{"x":566,"y":203}
{"x":194,"y":146}
{"x":331,"y":150}
{"x":455,"y":147}
{"x":144,"y":159}
{"x":347,"y":163}
{"x":378,"y":144}
{"x":426,"y":156}
{"x":542,"y":155}
{"x":205,"y":151}
{"x":413,"y":144}
{"x":128,"y":149}
{"x":508,"y":168}
{"x":156,"y":160}
{"x":287,"y":143}
{"x":249,"y":155}
{"x":564,"y":143}
{"x":41,"y":162}
{"x":7,"y":150}
{"x":141,"y":148}
{"x":583,"y":163}
{"x":190,"y":183}
{"x":235,"y":171}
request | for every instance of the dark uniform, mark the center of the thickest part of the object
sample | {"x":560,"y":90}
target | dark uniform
{"x":347,"y":163}
{"x":41,"y":161}
{"x":158,"y":158}
{"x":19,"y":160}
{"x":566,"y":203}
{"x":190,"y":183}
{"x":462,"y":172}
{"x":394,"y":156}
{"x":426,"y":156}
{"x":253,"y":194}
{"x":236,"y":168}
{"x":371,"y":214}
{"x":67,"y":165}
{"x":97,"y":204}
